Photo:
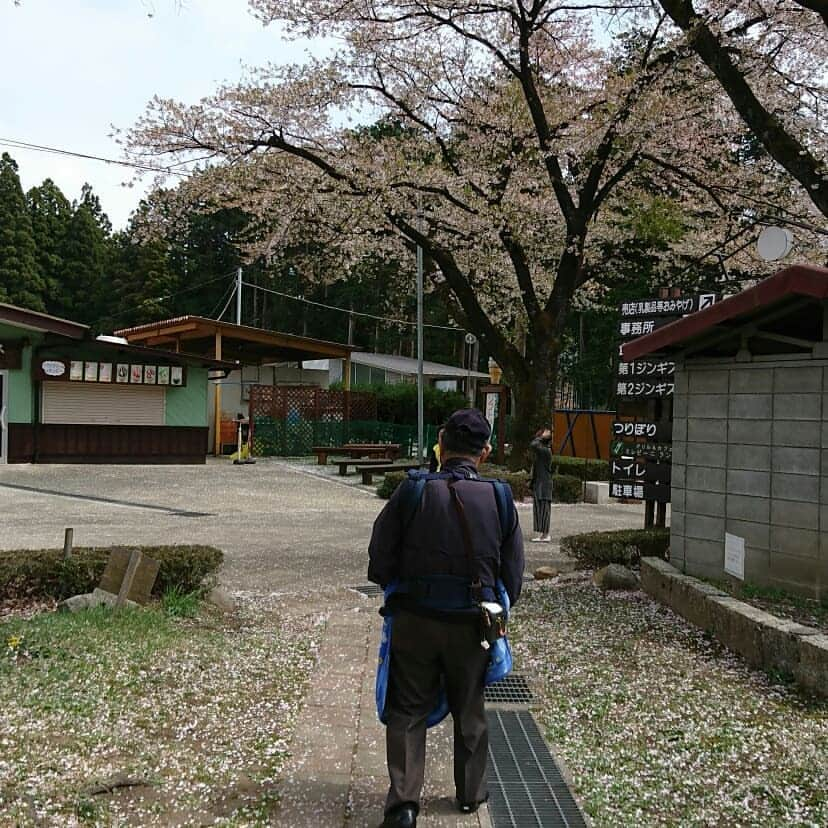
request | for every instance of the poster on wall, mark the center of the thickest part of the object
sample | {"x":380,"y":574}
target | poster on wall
{"x":122,"y":373}
{"x":105,"y":372}
{"x":176,"y":375}
{"x":136,"y":374}
{"x":90,"y":373}
{"x":75,"y":370}
{"x":163,"y":375}
{"x":149,"y":374}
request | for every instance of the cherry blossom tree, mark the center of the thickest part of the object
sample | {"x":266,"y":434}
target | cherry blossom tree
{"x":504,"y":137}
{"x":770,"y":58}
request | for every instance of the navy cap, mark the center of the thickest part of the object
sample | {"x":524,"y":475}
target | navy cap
{"x":469,"y":427}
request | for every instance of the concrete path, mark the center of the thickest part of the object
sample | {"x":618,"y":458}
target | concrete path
{"x":336,"y":775}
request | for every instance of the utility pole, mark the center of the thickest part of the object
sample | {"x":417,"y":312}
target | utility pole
{"x":238,"y":295}
{"x":420,"y":404}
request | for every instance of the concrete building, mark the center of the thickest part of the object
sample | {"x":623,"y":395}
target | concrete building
{"x":67,"y":397}
{"x":750,"y":433}
{"x":389,"y":369}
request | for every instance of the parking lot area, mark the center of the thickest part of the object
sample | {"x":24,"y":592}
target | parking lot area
{"x":281,"y":525}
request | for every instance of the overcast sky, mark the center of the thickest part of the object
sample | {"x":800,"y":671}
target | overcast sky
{"x":69,"y":69}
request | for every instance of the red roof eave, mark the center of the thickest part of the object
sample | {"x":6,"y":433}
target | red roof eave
{"x":799,"y":280}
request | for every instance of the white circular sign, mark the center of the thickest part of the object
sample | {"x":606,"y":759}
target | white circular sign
{"x":53,"y":368}
{"x":774,"y":243}
{"x":470,"y":339}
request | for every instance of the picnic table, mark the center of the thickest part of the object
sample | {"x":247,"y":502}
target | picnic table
{"x":370,"y":469}
{"x":387,"y":451}
{"x":344,"y":464}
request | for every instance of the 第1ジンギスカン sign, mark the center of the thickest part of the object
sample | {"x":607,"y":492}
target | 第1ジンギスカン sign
{"x":639,"y":369}
{"x":676,"y":306}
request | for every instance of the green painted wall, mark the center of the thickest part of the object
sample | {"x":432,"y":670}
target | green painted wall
{"x":187,"y":406}
{"x":21,"y":386}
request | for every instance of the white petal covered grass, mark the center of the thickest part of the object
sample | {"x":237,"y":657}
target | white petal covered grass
{"x":195,"y":715}
{"x":659,"y":725}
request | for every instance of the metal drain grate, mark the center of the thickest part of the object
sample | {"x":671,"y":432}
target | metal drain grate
{"x":511,"y":690}
{"x":526,"y":787}
{"x":371,"y":590}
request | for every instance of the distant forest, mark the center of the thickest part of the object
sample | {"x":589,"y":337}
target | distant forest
{"x":62,"y":257}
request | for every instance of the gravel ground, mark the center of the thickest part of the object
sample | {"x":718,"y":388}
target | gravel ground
{"x":659,"y":725}
{"x":283,"y":526}
{"x":188,"y":722}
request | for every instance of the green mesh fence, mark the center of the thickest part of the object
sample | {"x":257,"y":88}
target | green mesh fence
{"x":283,"y":438}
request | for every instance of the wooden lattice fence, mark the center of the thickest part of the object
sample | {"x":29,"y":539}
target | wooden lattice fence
{"x":290,"y":420}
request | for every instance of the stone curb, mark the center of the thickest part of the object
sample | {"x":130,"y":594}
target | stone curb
{"x":762,"y":639}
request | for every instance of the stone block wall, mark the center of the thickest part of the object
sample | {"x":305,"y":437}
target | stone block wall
{"x":750,"y":458}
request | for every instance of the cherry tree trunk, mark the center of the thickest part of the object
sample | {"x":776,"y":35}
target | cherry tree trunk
{"x":534,"y":402}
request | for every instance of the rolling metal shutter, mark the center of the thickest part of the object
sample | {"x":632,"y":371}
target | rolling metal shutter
{"x":81,"y":403}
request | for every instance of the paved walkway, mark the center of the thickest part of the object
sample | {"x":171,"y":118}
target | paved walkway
{"x":336,"y":775}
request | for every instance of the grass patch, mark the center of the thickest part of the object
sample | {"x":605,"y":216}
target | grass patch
{"x":180,"y":604}
{"x":201,"y":710}
{"x":812,"y":612}
{"x":661,"y":726}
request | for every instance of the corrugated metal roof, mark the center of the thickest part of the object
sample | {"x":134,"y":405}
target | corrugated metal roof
{"x":403,"y":365}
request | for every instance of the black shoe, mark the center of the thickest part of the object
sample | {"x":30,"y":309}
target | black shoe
{"x":470,"y":807}
{"x":403,"y":816}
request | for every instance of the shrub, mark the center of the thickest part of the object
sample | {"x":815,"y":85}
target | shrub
{"x":44,"y":573}
{"x":518,"y":481}
{"x":397,"y":402}
{"x":580,"y":468}
{"x":388,"y":484}
{"x":623,"y":546}
{"x":567,"y":489}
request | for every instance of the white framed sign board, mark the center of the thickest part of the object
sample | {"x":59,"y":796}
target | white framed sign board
{"x":734,"y":562}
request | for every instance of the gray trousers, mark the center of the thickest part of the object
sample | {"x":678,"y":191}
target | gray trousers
{"x":423,"y":650}
{"x":541,"y":515}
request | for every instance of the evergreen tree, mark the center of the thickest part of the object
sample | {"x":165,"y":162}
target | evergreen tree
{"x":50,"y":213}
{"x":86,"y":291}
{"x":21,"y":282}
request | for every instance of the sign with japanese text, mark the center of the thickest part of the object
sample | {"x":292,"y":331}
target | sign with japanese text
{"x":629,"y":431}
{"x":640,"y":327}
{"x":660,"y":493}
{"x":676,"y":306}
{"x":660,"y":452}
{"x":634,"y":390}
{"x":647,"y":368}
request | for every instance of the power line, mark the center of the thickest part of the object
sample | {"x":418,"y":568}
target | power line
{"x":11,"y":143}
{"x":349,"y":311}
{"x":200,"y":285}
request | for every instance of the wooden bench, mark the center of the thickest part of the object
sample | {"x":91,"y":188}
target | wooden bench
{"x":387,"y":451}
{"x":344,"y":464}
{"x":368,"y":472}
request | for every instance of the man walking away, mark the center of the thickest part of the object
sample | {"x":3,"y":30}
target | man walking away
{"x":446,"y":549}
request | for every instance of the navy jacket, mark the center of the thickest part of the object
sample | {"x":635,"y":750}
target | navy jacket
{"x":432,"y":544}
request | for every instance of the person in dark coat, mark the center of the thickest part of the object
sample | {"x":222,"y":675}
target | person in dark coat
{"x":436,"y":638}
{"x":542,"y":484}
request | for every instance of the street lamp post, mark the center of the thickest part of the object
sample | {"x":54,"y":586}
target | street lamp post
{"x":420,"y":404}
